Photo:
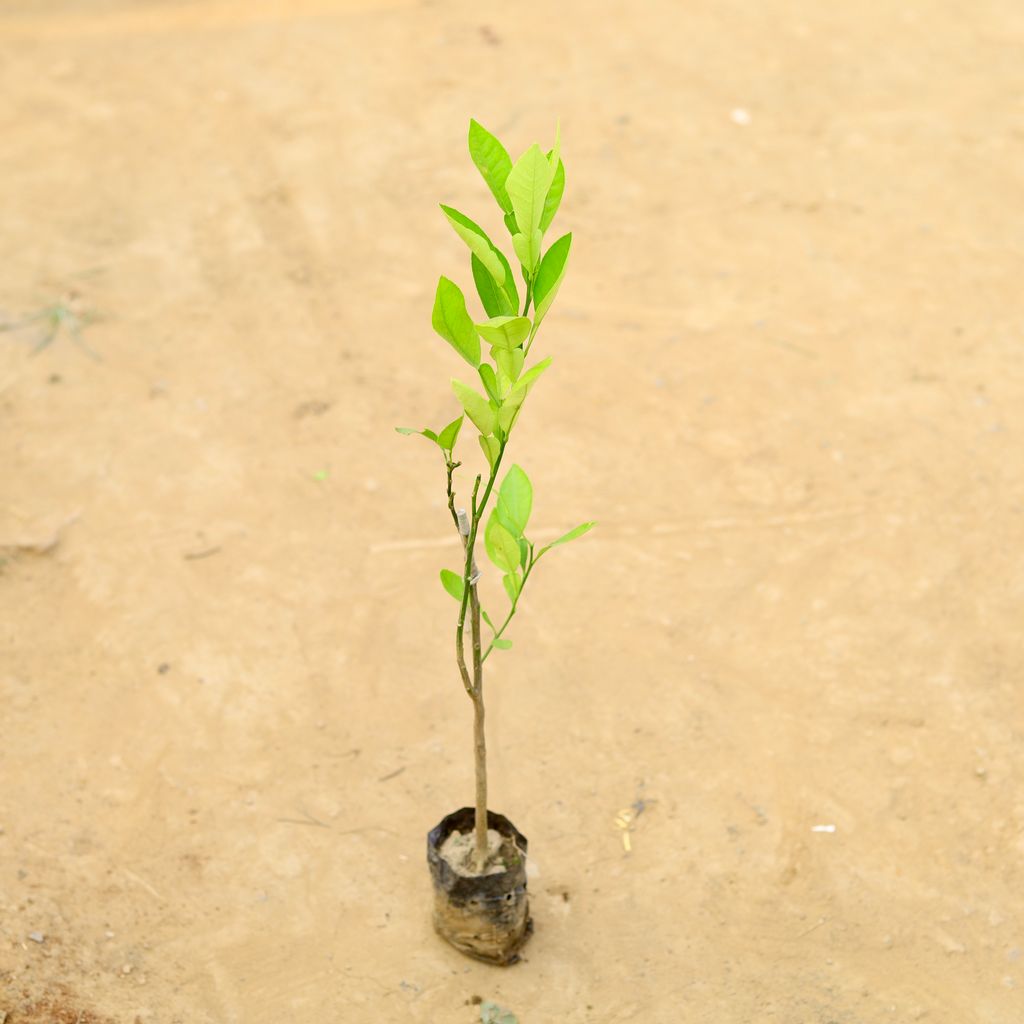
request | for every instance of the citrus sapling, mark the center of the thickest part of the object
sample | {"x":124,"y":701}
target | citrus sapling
{"x":477,"y":857}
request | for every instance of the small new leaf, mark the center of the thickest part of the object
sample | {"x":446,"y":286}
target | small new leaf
{"x":495,"y":300}
{"x":425,"y":432}
{"x":528,"y":379}
{"x":527,"y":248}
{"x":492,"y":161}
{"x":490,"y":447}
{"x":447,"y":438}
{"x":515,"y":502}
{"x":554,"y":197}
{"x":511,"y":362}
{"x":453,"y":323}
{"x":479,"y":244}
{"x":550,"y":274}
{"x":490,"y":382}
{"x":507,"y":332}
{"x":453,"y":583}
{"x":513,"y":585}
{"x":575,"y":532}
{"x":502,"y":548}
{"x":501,"y":643}
{"x":478,"y":409}
{"x":527,"y":185}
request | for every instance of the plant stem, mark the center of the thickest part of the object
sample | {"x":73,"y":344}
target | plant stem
{"x":479,"y":740}
{"x":475,"y":686}
{"x":515,"y":604}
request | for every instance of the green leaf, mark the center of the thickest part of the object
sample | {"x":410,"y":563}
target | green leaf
{"x":507,"y":418}
{"x":490,"y":382}
{"x":527,"y":248}
{"x":502,"y":548}
{"x":453,"y":323}
{"x":495,"y":300}
{"x":453,"y":583}
{"x":510,"y":362}
{"x":447,"y":438}
{"x":512,"y":585}
{"x":515,"y":502}
{"x":487,"y":619}
{"x":478,"y":409}
{"x":505,"y":331}
{"x":490,"y":447}
{"x":510,"y":223}
{"x":550,"y":274}
{"x":501,"y":643}
{"x":479,"y":244}
{"x":528,"y":379}
{"x":524,"y":552}
{"x":492,"y":161}
{"x":425,"y":432}
{"x":527,"y":185}
{"x":577,"y":531}
{"x":554,"y":197}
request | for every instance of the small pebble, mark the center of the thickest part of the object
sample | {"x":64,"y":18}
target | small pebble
{"x":740,"y":116}
{"x":37,"y":936}
{"x":127,"y":969}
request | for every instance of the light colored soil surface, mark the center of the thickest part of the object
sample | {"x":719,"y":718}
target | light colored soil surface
{"x":459,"y":850}
{"x":788,"y":383}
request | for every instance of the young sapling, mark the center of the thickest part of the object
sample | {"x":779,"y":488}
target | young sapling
{"x":497,"y":345}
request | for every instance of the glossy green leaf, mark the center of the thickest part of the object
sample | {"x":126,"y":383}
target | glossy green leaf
{"x":515,"y":502}
{"x":425,"y":432}
{"x":492,"y":161}
{"x":505,"y":331}
{"x":554,"y":197}
{"x":510,"y":408}
{"x":479,"y":244}
{"x":512,"y":584}
{"x":550,"y":274}
{"x":495,"y":300}
{"x":506,"y":418}
{"x":487,"y":619}
{"x":490,"y":382}
{"x":510,"y":223}
{"x":524,"y":551}
{"x":447,"y":438}
{"x":527,"y":185}
{"x":453,"y":583}
{"x":577,"y":531}
{"x":502,"y":548}
{"x":528,"y":379}
{"x":528,"y":248}
{"x":490,"y":447}
{"x":501,"y":643}
{"x":453,"y":323}
{"x":510,"y":362}
{"x":478,"y":409}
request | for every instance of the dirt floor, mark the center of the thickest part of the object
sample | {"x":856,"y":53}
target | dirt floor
{"x":787,"y":381}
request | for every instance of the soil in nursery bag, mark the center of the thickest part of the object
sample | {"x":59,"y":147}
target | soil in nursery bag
{"x":485,"y":915}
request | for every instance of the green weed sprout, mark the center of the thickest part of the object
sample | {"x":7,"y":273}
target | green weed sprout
{"x":529,"y":193}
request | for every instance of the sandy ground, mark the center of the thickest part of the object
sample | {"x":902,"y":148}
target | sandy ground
{"x":788,"y":382}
